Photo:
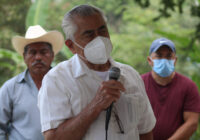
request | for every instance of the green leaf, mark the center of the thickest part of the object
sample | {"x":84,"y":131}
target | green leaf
{"x":7,"y":54}
{"x":67,"y":52}
{"x":38,"y":13}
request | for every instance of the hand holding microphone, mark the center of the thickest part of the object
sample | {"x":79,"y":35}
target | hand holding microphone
{"x":108,"y":92}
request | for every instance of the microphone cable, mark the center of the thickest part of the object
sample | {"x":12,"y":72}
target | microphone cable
{"x":108,"y":115}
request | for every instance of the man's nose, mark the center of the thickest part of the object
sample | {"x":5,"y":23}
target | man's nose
{"x":38,"y":56}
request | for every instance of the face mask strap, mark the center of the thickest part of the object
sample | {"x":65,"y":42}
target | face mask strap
{"x":81,"y":48}
{"x":82,"y":57}
{"x":77,"y":44}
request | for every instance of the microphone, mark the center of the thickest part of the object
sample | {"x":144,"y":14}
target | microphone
{"x":114,"y":74}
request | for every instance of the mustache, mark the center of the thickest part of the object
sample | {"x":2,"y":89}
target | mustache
{"x":38,"y":62}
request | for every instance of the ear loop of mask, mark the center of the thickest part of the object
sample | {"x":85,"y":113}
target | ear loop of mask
{"x":152,"y":61}
{"x":81,"y":48}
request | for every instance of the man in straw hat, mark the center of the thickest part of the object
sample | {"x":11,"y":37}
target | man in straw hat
{"x":19,"y":115}
{"x":75,"y":94}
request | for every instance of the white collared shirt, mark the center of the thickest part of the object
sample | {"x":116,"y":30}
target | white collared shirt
{"x":71,"y":85}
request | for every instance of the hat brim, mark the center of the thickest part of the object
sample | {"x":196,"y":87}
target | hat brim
{"x":163,"y":44}
{"x":55,"y":38}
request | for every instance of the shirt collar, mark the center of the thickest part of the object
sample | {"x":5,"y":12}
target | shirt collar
{"x":79,"y":68}
{"x":23,"y":76}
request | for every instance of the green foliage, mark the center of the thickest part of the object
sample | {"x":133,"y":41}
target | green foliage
{"x":132,"y":29}
{"x":38,"y":13}
{"x":12,"y":14}
{"x":10,"y":62}
{"x":11,"y":55}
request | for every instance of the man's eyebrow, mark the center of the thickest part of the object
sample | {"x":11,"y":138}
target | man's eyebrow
{"x":43,"y":49}
{"x":102,"y":27}
{"x":90,"y":31}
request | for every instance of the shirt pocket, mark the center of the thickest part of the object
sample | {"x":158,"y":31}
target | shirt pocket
{"x":128,"y":111}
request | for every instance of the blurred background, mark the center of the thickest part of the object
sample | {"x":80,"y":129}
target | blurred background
{"x":133,"y":25}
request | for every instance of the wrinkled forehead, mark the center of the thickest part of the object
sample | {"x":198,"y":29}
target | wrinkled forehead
{"x":89,"y":25}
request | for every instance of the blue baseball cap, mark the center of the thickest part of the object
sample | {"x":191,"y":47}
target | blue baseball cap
{"x":156,"y":44}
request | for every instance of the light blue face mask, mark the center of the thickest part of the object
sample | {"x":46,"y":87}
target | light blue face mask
{"x":163,"y":67}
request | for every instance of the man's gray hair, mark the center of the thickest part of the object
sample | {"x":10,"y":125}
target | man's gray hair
{"x":68,"y":25}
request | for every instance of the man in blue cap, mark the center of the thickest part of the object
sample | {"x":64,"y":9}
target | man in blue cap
{"x":174,"y":98}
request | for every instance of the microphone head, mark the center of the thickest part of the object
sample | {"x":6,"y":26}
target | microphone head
{"x":114,"y":73}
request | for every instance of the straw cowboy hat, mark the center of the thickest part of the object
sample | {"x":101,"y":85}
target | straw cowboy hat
{"x":38,"y":34}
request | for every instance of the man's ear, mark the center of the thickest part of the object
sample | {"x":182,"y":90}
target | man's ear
{"x":70,"y":45}
{"x":175,"y":61}
{"x":150,"y":61}
{"x":24,"y":56}
{"x":52,"y":57}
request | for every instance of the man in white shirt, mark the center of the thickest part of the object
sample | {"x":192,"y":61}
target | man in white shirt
{"x":76,"y":93}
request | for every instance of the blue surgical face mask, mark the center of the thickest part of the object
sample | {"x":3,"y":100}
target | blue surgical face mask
{"x":163,"y":67}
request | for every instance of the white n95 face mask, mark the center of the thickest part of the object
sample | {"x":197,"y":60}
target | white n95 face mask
{"x":98,"y":50}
